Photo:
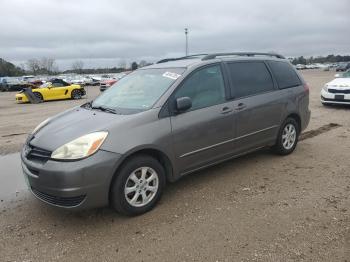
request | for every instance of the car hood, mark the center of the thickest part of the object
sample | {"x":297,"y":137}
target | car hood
{"x":72,"y":124}
{"x":339,"y":83}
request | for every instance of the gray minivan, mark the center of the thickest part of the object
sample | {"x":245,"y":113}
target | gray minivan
{"x":162,"y":122}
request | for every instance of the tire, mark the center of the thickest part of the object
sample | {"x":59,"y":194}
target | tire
{"x":76,"y":94}
{"x":286,"y":141}
{"x":122,"y":201}
{"x":39,"y":96}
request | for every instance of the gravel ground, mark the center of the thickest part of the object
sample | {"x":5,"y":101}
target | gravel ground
{"x":260,"y":207}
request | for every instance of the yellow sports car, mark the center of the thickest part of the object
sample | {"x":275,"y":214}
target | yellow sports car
{"x":56,"y":89}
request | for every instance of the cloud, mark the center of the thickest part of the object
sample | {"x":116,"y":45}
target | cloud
{"x":103,"y":32}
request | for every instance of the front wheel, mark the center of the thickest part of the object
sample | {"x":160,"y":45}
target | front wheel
{"x":138,"y":185}
{"x":287,"y":137}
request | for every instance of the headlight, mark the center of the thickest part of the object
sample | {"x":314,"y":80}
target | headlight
{"x":81,"y":147}
{"x":325,"y":88}
{"x":41,"y":125}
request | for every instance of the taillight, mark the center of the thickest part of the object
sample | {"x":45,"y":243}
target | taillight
{"x":306,"y":87}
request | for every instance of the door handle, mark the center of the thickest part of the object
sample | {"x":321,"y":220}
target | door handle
{"x":240,"y":106}
{"x":226,"y":110}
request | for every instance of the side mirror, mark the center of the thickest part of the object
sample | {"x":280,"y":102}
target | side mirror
{"x":183,"y":104}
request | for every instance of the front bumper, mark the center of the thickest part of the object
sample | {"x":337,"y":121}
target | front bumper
{"x":74,"y":185}
{"x":104,"y":87}
{"x":331,"y":98}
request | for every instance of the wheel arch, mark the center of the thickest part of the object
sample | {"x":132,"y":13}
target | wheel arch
{"x":39,"y":92}
{"x":297,"y":118}
{"x":162,"y":157}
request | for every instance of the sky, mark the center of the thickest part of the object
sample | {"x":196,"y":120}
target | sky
{"x":104,"y":33}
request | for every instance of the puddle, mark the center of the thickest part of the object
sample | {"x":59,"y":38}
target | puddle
{"x":318,"y":131}
{"x":11,"y":177}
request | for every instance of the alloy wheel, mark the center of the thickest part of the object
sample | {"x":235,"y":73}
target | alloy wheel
{"x":141,"y":186}
{"x":289,"y":136}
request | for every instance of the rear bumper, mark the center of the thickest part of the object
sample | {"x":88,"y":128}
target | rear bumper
{"x":21,"y":98}
{"x":305,"y":120}
{"x":72,"y":185}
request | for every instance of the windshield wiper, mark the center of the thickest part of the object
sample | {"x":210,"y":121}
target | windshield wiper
{"x":105,"y":109}
{"x":87,"y":105}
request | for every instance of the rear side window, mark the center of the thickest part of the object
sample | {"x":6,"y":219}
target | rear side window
{"x":285,"y":75}
{"x":249,"y":78}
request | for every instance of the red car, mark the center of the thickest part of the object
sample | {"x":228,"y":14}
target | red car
{"x":107,"y":83}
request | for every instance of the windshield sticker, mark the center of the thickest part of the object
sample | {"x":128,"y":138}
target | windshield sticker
{"x":171,"y":75}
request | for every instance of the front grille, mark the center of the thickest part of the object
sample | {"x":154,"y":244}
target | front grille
{"x":36,"y":153}
{"x":59,"y":201}
{"x":337,"y":91}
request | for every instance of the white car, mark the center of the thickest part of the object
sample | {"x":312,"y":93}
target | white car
{"x":337,"y":91}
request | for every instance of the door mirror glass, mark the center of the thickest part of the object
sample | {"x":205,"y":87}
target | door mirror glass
{"x":183,"y":104}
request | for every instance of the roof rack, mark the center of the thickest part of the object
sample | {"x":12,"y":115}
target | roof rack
{"x":213,"y":56}
{"x":181,"y":58}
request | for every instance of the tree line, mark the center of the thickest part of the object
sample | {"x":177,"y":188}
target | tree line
{"x":48,"y":66}
{"x":9,"y":69}
{"x":321,"y":59}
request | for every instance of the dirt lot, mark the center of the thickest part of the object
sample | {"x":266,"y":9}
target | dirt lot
{"x":17,"y":120}
{"x":260,"y":207}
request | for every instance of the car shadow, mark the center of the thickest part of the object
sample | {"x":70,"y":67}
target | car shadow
{"x":201,"y":178}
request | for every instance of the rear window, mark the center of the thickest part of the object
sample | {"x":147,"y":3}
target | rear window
{"x":285,"y":75}
{"x":249,"y":78}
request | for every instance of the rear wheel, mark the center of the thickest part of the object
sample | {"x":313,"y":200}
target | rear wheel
{"x":76,"y":94}
{"x":39,"y":96}
{"x":138,"y":185}
{"x":287,"y":137}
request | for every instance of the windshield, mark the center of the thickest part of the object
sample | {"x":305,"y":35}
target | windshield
{"x":138,"y":90}
{"x":346,"y":74}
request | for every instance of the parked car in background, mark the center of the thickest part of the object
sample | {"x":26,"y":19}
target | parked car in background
{"x":342,"y":67}
{"x":105,"y":84}
{"x":56,"y":89}
{"x":77,"y":81}
{"x":162,"y":122}
{"x":337,"y":91}
{"x":10,"y":84}
{"x":300,"y":67}
{"x":91,"y":81}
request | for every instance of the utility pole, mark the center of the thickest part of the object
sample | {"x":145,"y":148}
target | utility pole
{"x":186,"y":35}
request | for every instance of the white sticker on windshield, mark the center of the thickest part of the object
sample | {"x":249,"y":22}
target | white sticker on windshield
{"x":171,"y":75}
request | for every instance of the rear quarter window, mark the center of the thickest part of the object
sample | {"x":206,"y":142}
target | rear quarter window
{"x":285,"y":75}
